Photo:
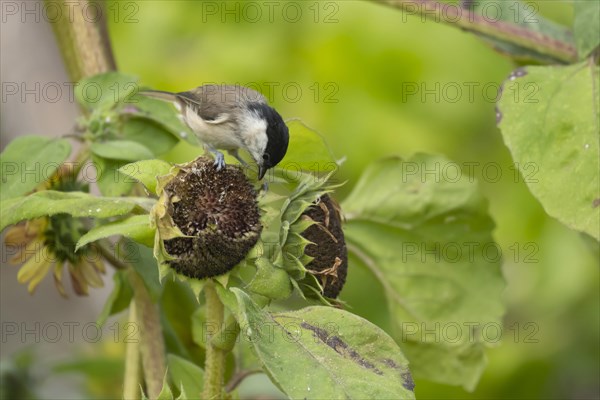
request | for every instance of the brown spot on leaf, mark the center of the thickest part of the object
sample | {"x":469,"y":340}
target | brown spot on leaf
{"x":340,"y":347}
{"x":407,"y":381}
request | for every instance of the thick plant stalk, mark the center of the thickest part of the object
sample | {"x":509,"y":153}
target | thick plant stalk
{"x":152,"y":347}
{"x":83,"y":41}
{"x":131,"y":385}
{"x":214,"y":365}
{"x":451,"y":14}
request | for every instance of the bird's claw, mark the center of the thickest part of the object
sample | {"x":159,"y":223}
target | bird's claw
{"x":219,"y":160}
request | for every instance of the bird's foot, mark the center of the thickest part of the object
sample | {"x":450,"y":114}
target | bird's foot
{"x":219,"y":160}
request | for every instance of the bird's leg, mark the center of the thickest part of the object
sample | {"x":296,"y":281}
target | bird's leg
{"x":219,"y":158}
{"x":237,"y":156}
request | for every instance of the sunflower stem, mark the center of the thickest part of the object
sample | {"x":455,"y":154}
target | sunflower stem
{"x":214,"y":364}
{"x":84,"y":43}
{"x":152,"y":347}
{"x":502,"y":30}
{"x":131,"y":386}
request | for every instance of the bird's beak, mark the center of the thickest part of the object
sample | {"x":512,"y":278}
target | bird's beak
{"x":262,"y":170}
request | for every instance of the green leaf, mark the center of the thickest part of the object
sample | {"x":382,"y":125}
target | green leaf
{"x":103,"y":91}
{"x":110,"y":180}
{"x":525,"y":15}
{"x":177,"y":304}
{"x":98,"y":368}
{"x":426,"y":236}
{"x":146,"y":172}
{"x":136,"y":227}
{"x":126,"y":150}
{"x":173,"y":343}
{"x":245,"y":357}
{"x":199,"y":327}
{"x":186,"y":374}
{"x":182,"y":395}
{"x":165,"y":392}
{"x":307,"y":151}
{"x":77,"y":204}
{"x":270,"y":281}
{"x":325,"y":353}
{"x":149,"y":133}
{"x":229,"y":299}
{"x":165,"y":114}
{"x":28,"y":161}
{"x":586,"y":26}
{"x":143,"y":262}
{"x":553,"y":139}
{"x":119,"y":298}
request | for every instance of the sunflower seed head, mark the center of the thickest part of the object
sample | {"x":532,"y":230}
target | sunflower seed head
{"x":212,"y":219}
{"x":328,"y":248}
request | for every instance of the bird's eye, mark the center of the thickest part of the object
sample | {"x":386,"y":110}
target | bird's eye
{"x":265,"y":157}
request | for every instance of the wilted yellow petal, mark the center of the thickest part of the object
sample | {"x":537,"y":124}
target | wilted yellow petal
{"x":37,"y":278}
{"x":15,"y":235}
{"x":32,"y":266}
{"x":100,"y":266}
{"x":90,"y":274}
{"x":36,"y":226}
{"x":94,"y":257}
{"x":58,"y":269}
{"x":98,"y":263}
{"x":79,"y":284}
{"x":24,"y":252}
{"x":28,"y":230}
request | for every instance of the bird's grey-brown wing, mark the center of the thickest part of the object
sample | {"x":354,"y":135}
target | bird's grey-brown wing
{"x":248,"y":95}
{"x":200,"y":104}
{"x":213,"y":103}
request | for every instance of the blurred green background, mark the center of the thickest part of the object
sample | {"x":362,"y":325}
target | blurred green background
{"x":353,"y":62}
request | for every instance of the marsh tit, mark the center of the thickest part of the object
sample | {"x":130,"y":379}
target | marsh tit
{"x":230,"y":118}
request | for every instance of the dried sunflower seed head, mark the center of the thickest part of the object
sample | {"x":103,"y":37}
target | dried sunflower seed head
{"x":217,"y":213}
{"x":328,"y":248}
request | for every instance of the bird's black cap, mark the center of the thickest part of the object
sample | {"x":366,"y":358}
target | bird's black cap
{"x":277,"y":134}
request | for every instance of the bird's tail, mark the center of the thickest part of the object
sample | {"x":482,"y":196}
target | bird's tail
{"x":159,"y":94}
